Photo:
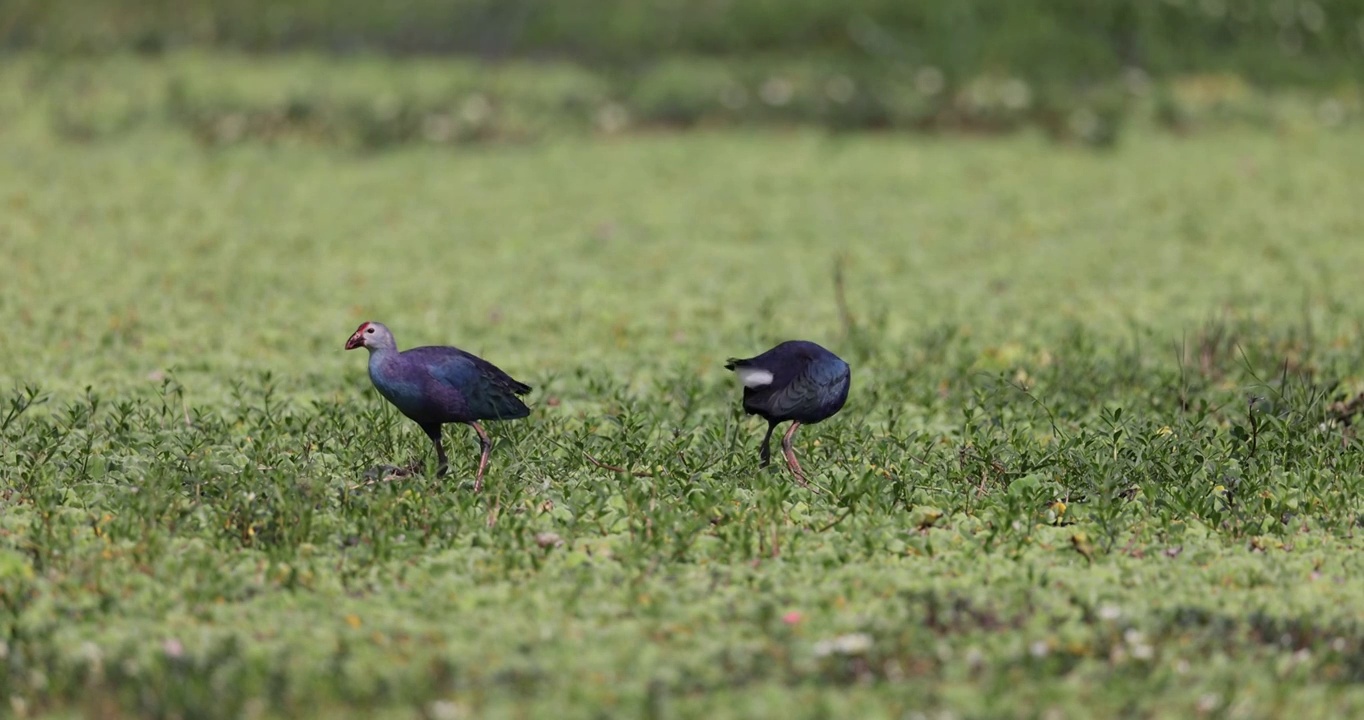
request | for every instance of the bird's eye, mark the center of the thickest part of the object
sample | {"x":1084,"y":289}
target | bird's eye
{"x":370,"y":331}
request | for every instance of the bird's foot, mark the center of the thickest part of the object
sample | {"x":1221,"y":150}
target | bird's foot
{"x":806,"y":484}
{"x":385,"y":473}
{"x":798,"y":473}
{"x":391,"y":471}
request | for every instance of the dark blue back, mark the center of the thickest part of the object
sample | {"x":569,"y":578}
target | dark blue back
{"x":809,"y":383}
{"x":444,"y":384}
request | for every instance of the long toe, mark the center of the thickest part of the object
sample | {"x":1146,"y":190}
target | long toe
{"x":385,"y":472}
{"x":797,"y":471}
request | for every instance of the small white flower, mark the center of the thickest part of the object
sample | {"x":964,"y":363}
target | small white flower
{"x":1110,"y":612}
{"x":854,"y":643}
{"x":851,"y":644}
{"x":444,"y":710}
{"x":1015,"y":94}
{"x":777,"y":91}
{"x":1209,"y":702}
{"x":612,"y":118}
{"x":893,"y":671}
{"x":1331,"y":112}
{"x":929,"y":80}
{"x":840,"y":89}
{"x":475,"y":109}
{"x":1142,"y":651}
{"x":91,"y":653}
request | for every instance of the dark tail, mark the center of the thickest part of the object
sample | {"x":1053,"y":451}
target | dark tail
{"x":510,"y":408}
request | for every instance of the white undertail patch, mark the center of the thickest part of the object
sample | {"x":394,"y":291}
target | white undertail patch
{"x":754,"y":377}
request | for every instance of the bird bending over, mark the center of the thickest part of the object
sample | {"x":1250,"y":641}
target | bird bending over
{"x":434,"y":385}
{"x":798,"y":381}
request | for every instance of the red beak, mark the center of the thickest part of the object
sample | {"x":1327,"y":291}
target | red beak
{"x":355,"y":341}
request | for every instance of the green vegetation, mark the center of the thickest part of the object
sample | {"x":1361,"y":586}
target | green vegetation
{"x":1095,"y":462}
{"x":1082,"y":70}
{"x":374,"y":104}
{"x":1293,"y":41}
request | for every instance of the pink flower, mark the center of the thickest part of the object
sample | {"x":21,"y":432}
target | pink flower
{"x":791,"y":618}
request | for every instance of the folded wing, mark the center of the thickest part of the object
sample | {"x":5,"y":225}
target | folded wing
{"x":488,"y":392}
{"x":819,"y":389}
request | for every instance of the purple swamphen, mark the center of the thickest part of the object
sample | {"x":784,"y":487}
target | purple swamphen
{"x":435,"y":385}
{"x":798,"y":381}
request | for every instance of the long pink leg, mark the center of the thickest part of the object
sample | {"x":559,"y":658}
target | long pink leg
{"x":486,"y":444}
{"x":791,"y":462}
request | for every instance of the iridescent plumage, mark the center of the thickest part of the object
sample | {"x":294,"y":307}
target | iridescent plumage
{"x":434,"y":385}
{"x":798,"y":381}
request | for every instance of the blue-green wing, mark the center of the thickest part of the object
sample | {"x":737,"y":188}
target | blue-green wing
{"x":483,"y":390}
{"x":819,"y":390}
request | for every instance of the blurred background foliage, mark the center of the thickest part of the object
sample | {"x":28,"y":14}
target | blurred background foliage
{"x":1077,"y":69}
